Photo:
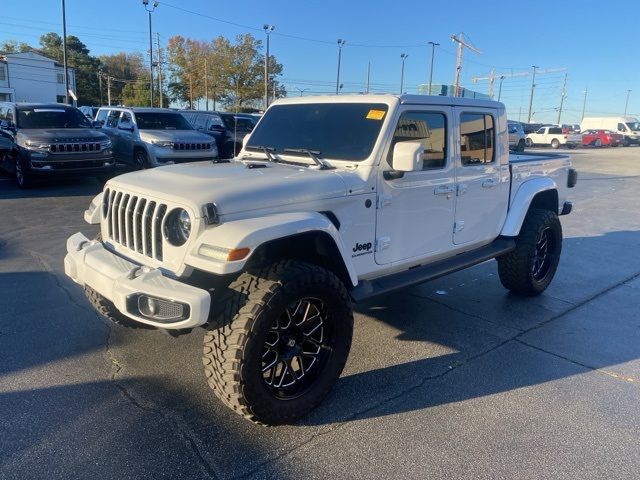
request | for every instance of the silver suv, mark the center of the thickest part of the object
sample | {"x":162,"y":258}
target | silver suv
{"x":150,"y":137}
{"x":517,"y":137}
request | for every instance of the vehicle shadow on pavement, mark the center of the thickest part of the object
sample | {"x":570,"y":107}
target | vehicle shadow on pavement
{"x":56,"y":187}
{"x":483,"y":340}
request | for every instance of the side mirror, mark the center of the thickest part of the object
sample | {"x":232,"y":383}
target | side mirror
{"x":218,"y":128}
{"x":128,"y":129}
{"x":96,"y":124}
{"x":407,"y":156}
{"x":7,"y":125}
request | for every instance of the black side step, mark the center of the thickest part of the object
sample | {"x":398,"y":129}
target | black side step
{"x":367,"y":289}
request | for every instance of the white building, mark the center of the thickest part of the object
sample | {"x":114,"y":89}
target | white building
{"x":31,"y":77}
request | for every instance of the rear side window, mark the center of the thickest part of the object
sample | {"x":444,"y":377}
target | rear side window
{"x":477,"y":138}
{"x":112,"y":119}
{"x":428,"y":128}
{"x":555,"y":131}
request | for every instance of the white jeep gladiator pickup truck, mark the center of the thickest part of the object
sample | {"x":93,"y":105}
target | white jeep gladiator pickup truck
{"x":332,"y":200}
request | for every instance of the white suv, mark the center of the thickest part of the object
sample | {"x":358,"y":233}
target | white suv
{"x":150,"y":137}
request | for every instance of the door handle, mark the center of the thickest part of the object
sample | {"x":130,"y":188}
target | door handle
{"x":489,"y":183}
{"x":443,"y":190}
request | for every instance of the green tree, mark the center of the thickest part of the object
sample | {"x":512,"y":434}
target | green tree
{"x":86,"y":67}
{"x":123,"y":67}
{"x":136,"y":93}
{"x":13,"y":46}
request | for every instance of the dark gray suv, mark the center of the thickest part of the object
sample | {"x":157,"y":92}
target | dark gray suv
{"x":52,"y":139}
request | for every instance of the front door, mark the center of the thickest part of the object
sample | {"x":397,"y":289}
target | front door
{"x":415,"y":211}
{"x":125,"y":138}
{"x":481,"y":203}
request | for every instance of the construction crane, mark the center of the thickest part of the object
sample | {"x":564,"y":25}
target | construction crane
{"x":459,"y":39}
{"x":492,"y":76}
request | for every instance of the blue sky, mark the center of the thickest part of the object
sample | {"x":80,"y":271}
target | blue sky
{"x":597,"y":43}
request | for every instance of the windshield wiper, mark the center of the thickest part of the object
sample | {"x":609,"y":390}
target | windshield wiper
{"x":314,"y":154}
{"x":268,"y":151}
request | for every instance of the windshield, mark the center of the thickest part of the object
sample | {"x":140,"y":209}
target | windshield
{"x":51,"y":117}
{"x":241,"y":124}
{"x":161,"y":121}
{"x":341,"y":131}
{"x":635,"y":126}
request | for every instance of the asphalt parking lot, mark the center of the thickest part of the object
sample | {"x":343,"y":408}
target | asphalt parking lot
{"x":452,"y":379}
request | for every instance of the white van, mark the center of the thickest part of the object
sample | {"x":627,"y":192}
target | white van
{"x":629,"y":127}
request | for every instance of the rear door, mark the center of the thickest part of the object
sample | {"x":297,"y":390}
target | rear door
{"x":415,"y":211}
{"x":481,"y":196}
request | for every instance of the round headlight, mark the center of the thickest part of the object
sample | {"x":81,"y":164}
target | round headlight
{"x":177,"y":227}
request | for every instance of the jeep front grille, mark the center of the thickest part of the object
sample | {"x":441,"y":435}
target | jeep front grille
{"x":74,"y":147}
{"x":191,"y":146}
{"x":135,"y":222}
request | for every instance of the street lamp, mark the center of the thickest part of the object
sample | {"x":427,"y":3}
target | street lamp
{"x":267,"y":30}
{"x":403,"y":56}
{"x":341,"y":43}
{"x":433,"y":52}
{"x":626,"y":104}
{"x":500,"y":89}
{"x":150,"y":9}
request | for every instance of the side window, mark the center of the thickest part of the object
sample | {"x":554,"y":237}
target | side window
{"x":621,"y":127}
{"x":125,"y":119}
{"x":555,"y":131}
{"x":476,"y":138}
{"x":3,"y":112}
{"x":540,"y":131}
{"x":428,"y":128}
{"x":102,"y":116}
{"x":214,"y":121}
{"x":112,"y":119}
{"x":10,"y":115}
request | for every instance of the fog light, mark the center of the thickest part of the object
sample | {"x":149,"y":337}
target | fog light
{"x":148,"y":306}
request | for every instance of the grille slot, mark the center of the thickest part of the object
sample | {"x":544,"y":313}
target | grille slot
{"x":191,"y":146}
{"x":75,"y":147}
{"x":135,"y":222}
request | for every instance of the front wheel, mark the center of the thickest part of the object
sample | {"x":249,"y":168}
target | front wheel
{"x":141,"y":159}
{"x":23,"y":179}
{"x":529,"y":269}
{"x":520,"y":147}
{"x":281,"y":343}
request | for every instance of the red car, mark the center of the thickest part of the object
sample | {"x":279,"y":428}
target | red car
{"x":601,"y":138}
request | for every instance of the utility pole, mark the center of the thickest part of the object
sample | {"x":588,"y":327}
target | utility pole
{"x":366,"y":90}
{"x":433,"y":52}
{"x":533,"y":86}
{"x":150,"y":10}
{"x":584,"y":104}
{"x":64,"y":54}
{"x":459,"y":39}
{"x":491,"y":78}
{"x":159,"y":64}
{"x":267,"y":30}
{"x":562,"y":95}
{"x":100,"y":85}
{"x":206,"y":86}
{"x":108,"y":90}
{"x":341,"y":43}
{"x":626,"y":104}
{"x":403,"y":56}
{"x":190,"y":92}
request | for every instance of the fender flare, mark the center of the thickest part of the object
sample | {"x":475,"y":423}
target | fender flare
{"x":522,"y":201}
{"x":253,"y":232}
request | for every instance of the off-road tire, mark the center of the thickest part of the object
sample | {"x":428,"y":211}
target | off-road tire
{"x":515,"y":268}
{"x":107,"y":309}
{"x":23,"y":179}
{"x":141,"y":159}
{"x":232,"y":354}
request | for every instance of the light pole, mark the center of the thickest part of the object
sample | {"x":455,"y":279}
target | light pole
{"x":150,"y":9}
{"x":341,"y":43}
{"x":626,"y":104}
{"x":403,"y":56}
{"x":533,"y":86}
{"x":433,"y":52}
{"x":64,"y":54}
{"x":267,"y":30}
{"x":500,"y":89}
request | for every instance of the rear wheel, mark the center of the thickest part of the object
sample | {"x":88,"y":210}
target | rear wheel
{"x":555,"y":143}
{"x":280,"y":342}
{"x":23,"y":179}
{"x":529,"y":142}
{"x":141,"y":159}
{"x":529,"y":269}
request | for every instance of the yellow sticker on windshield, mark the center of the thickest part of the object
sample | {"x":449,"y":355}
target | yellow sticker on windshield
{"x":375,"y":114}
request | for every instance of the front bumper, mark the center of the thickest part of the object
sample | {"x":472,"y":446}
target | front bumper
{"x":120,"y":281}
{"x":46,"y":166}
